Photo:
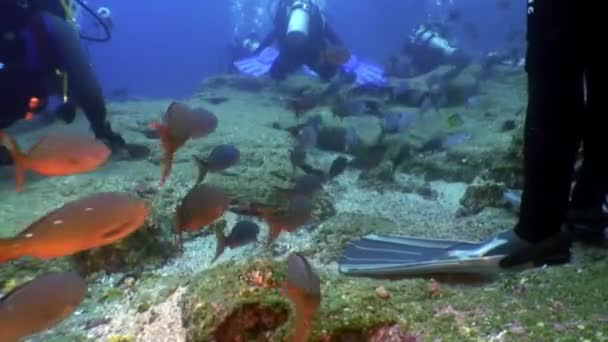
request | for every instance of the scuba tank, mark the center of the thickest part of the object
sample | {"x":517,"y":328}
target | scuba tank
{"x":425,"y":37}
{"x":299,"y":14}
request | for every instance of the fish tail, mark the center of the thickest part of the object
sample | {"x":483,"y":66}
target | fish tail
{"x":168,"y":151}
{"x":221,"y":242}
{"x":203,"y":168}
{"x":10,"y":250}
{"x":302,"y":328}
{"x":273,"y":227}
{"x":19,"y":159}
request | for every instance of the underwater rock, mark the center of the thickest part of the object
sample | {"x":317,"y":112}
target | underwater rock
{"x":479,"y":196}
{"x":244,"y":303}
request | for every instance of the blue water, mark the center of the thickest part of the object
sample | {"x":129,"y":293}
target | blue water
{"x":165,"y":49}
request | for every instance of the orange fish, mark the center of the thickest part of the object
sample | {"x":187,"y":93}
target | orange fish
{"x":202,"y":206}
{"x":179,"y":124}
{"x":39,"y":304}
{"x":335,"y":54}
{"x":93,"y":221}
{"x":298,"y":213}
{"x":303,"y":288}
{"x":56,"y":155}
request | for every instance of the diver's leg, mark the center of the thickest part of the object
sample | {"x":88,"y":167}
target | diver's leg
{"x":553,"y":126}
{"x":82,"y":82}
{"x":586,"y":216}
{"x":283,"y":66}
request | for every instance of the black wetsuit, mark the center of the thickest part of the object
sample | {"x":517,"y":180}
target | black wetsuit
{"x":34,"y":43}
{"x":564,"y":61}
{"x":290,"y":59}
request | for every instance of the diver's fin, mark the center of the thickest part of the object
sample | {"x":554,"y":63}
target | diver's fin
{"x":383,"y":255}
{"x":259,"y":65}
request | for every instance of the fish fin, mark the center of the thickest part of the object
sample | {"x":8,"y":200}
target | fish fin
{"x":10,"y":249}
{"x":311,"y":170}
{"x":168,"y":151}
{"x":19,"y":159}
{"x":203,"y":168}
{"x":221,"y":242}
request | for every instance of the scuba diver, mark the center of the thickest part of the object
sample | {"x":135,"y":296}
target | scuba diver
{"x":302,"y":34}
{"x":425,"y":50}
{"x":40,"y":57}
{"x":564,"y":112}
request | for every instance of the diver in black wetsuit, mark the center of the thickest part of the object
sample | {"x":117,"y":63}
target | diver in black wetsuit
{"x":565,"y":68}
{"x":425,"y":50}
{"x":41,"y":56}
{"x":302,"y":33}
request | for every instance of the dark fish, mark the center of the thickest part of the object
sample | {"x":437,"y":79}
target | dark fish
{"x":244,"y":232}
{"x":337,"y":139}
{"x":179,"y":124}
{"x":297,"y":214}
{"x":312,"y":171}
{"x":337,"y":167}
{"x":220,"y":158}
{"x":303,"y":289}
{"x":297,"y":157}
{"x":216,"y":100}
{"x":508,"y":125}
{"x":202,"y":206}
{"x":307,"y":137}
{"x":39,"y":304}
{"x":369,"y":158}
{"x":394,"y":123}
{"x":303,"y":103}
{"x":303,"y":186}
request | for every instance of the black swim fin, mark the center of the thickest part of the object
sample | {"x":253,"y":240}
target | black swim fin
{"x":385,"y":255}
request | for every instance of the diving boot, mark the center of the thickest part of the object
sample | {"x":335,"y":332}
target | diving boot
{"x":588,"y":225}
